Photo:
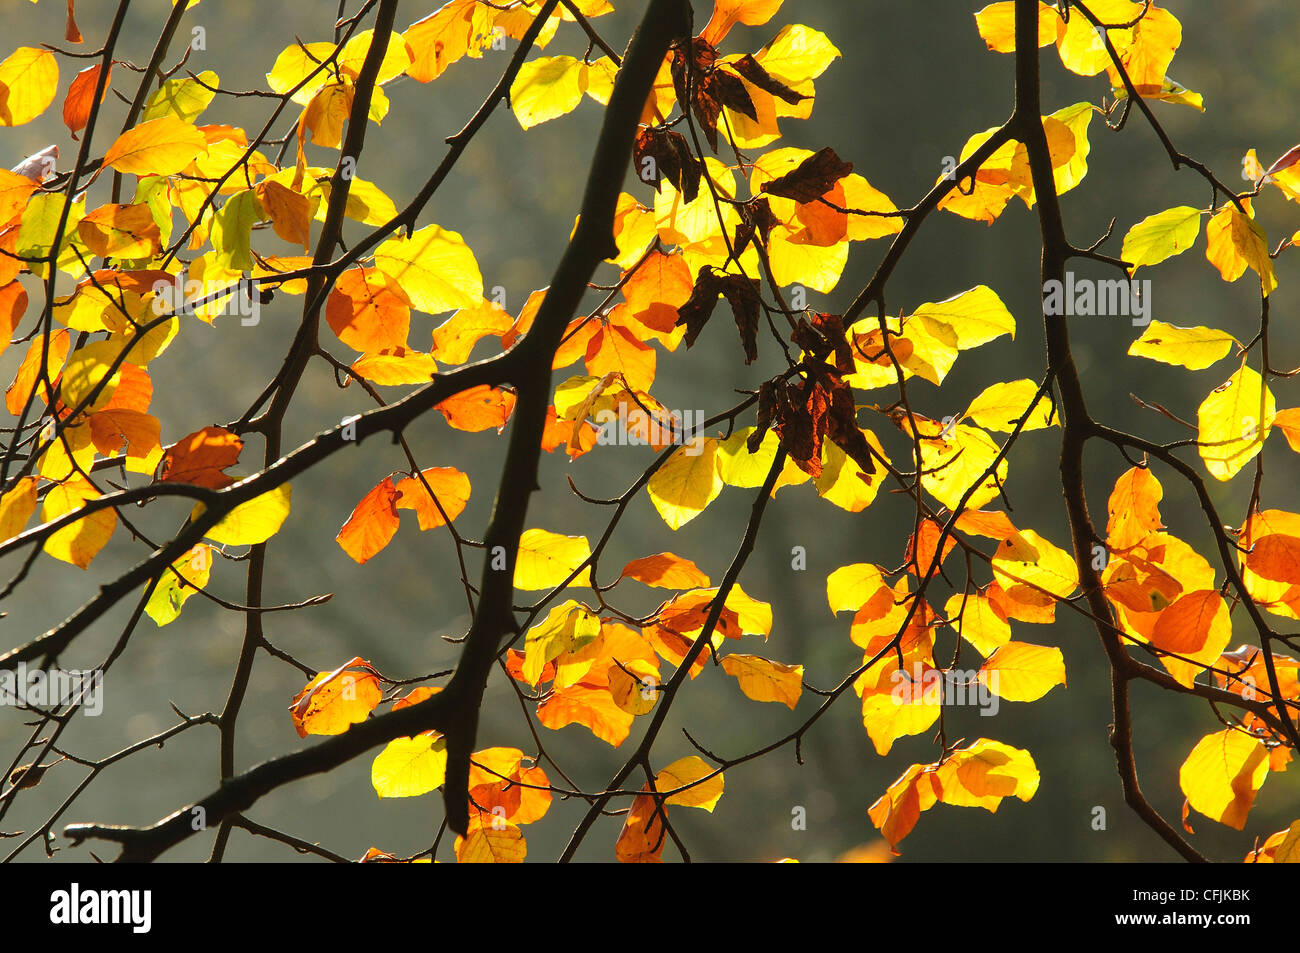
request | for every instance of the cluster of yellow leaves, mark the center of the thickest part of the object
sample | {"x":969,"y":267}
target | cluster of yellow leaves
{"x":1144,"y":37}
{"x":1006,"y":175}
{"x":695,"y":784}
{"x":902,"y":689}
{"x":979,"y":775}
{"x":602,"y":674}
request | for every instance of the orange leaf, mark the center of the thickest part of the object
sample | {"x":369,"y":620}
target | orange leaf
{"x":479,"y":408}
{"x":373,"y":523}
{"x":657,"y":289}
{"x":666,"y":571}
{"x":1276,"y":557}
{"x":455,"y":338}
{"x":18,"y":393}
{"x":449,"y":485}
{"x":1133,"y":508}
{"x":334,"y":701}
{"x":121,"y":231}
{"x":81,"y":94}
{"x":641,"y":840}
{"x":368,"y":310}
{"x":924,"y":544}
{"x":13,"y":302}
{"x":290,"y":213}
{"x":1196,"y":619}
{"x":615,"y":350}
{"x":200,"y":457}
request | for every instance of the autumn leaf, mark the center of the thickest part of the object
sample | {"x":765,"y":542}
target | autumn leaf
{"x":201,"y":457}
{"x":368,"y":310}
{"x":1161,"y":236}
{"x":703,"y":786}
{"x":1193,"y":348}
{"x":764,"y":680}
{"x":186,"y":576}
{"x":29,"y":80}
{"x":545,"y":560}
{"x":1222,"y":775}
{"x":665,"y":571}
{"x":1020,"y":672}
{"x":79,"y":542}
{"x":162,"y":146}
{"x":684,"y":486}
{"x":410,"y":767}
{"x":373,"y":523}
{"x":80,"y":99}
{"x":1232,"y":423}
{"x":334,"y":701}
{"x":252,"y":522}
{"x":434,"y":267}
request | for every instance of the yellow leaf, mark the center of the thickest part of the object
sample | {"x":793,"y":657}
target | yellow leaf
{"x":954,"y":458}
{"x":29,"y":80}
{"x":1032,"y":560}
{"x":171,"y":593}
{"x":976,"y":316}
{"x":17,"y":507}
{"x":547,"y":559}
{"x":547,"y":88}
{"x":764,"y":680}
{"x":1229,"y":428}
{"x":566,"y":628}
{"x":409,"y":767}
{"x":1161,"y":236}
{"x":1235,"y":242}
{"x":689,"y":771}
{"x":1000,"y":406}
{"x":851,"y":587}
{"x":81,"y":541}
{"x":162,"y":146}
{"x":687,"y":483}
{"x":981,"y":623}
{"x":798,"y":53}
{"x":294,"y":64}
{"x":353,"y":55}
{"x":887,"y":718}
{"x":843,"y":482}
{"x":434,"y":267}
{"x":1076,"y":120}
{"x":1020,"y":672}
{"x":1222,"y":775}
{"x":253,"y":522}
{"x":182,"y":98}
{"x":1193,"y":348}
{"x":488,"y":845}
{"x":997,"y":25}
{"x":985,"y":772}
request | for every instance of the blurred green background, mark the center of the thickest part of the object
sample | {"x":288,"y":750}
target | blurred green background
{"x":914,"y":82}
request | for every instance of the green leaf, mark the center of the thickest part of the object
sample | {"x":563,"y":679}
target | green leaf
{"x":1161,"y":236}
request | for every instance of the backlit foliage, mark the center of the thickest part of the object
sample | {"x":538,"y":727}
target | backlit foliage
{"x":723,"y":220}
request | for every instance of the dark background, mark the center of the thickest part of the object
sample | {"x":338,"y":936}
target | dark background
{"x":914,"y":82}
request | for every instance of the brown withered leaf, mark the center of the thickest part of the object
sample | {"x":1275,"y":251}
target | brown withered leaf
{"x":753,"y":71}
{"x":673,"y":160}
{"x":810,"y":179}
{"x":742,"y":294}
